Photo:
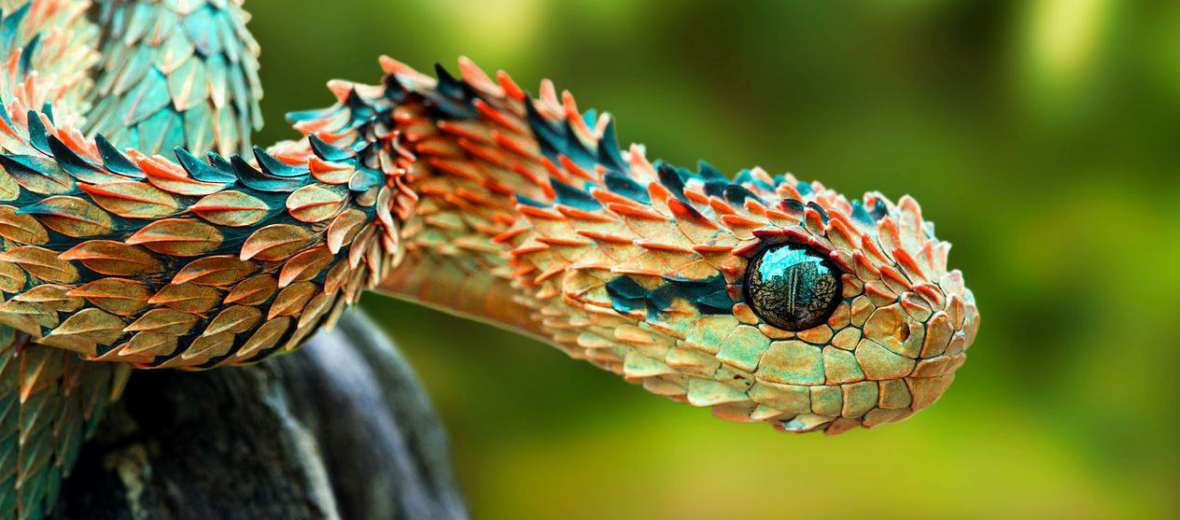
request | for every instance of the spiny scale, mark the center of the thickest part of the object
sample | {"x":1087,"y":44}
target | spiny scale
{"x":49,"y":397}
{"x":457,"y":191}
{"x":49,"y":401}
{"x":189,"y":262}
{"x":182,"y":73}
{"x":638,"y":267}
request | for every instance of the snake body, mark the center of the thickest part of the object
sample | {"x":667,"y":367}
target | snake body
{"x":139,"y":229}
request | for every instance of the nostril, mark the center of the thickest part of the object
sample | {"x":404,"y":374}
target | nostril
{"x":888,"y":326}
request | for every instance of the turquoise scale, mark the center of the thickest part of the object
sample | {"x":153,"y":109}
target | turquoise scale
{"x":176,"y":74}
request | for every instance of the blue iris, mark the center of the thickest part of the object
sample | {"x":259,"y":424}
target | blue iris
{"x":793,"y":288}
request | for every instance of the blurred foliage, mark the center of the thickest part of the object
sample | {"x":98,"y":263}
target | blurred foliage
{"x":1040,"y":135}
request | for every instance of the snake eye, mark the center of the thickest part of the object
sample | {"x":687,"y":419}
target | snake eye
{"x":793,"y":288}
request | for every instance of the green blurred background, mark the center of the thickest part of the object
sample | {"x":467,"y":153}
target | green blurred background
{"x":1042,"y":136}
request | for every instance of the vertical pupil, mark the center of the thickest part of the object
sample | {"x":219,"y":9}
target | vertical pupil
{"x":792,"y":288}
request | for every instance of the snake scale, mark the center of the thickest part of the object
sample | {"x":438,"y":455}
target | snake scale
{"x":140,"y":229}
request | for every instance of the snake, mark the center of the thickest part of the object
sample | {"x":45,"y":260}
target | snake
{"x":141,"y":229}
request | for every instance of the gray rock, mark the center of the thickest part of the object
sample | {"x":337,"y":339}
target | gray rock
{"x":340,"y":429}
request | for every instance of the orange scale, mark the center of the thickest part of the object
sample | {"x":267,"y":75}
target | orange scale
{"x":683,"y":212}
{"x":528,"y":249}
{"x":626,"y":269}
{"x":79,"y":144}
{"x":474,"y":197}
{"x":662,"y":246}
{"x":604,"y":237}
{"x":392,"y":66}
{"x":696,"y":195}
{"x":465,"y":130}
{"x":554,"y":171}
{"x":738,"y":221}
{"x":610,"y":197}
{"x":872,"y":252}
{"x":562,"y":241}
{"x":438,"y":147}
{"x":549,"y":95}
{"x":754,"y":207}
{"x":908,"y":265}
{"x":746,"y":249}
{"x":864,"y":270}
{"x":798,"y":234}
{"x":772,"y":234}
{"x":843,"y":259}
{"x":541,"y":213}
{"x":575,"y":169}
{"x":876,"y":292}
{"x":636,"y":211}
{"x":487,"y":154}
{"x":895,"y":280}
{"x":709,"y":248}
{"x":475,"y":75}
{"x":588,"y":216}
{"x":460,"y":169}
{"x":642,"y":169}
{"x":510,"y":87}
{"x":720,"y":207}
{"x":514,"y":146}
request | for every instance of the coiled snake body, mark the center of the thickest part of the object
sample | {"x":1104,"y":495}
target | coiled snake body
{"x":139,"y":229}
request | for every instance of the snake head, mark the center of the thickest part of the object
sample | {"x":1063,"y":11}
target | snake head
{"x":765,"y":298}
{"x":774,"y":300}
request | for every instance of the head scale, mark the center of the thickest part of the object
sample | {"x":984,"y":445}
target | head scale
{"x":765,"y":298}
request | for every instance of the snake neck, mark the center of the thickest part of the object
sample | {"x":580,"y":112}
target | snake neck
{"x":507,"y":220}
{"x":461,"y":158}
{"x":464,"y":157}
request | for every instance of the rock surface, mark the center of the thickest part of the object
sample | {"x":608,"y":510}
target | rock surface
{"x":340,"y":429}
